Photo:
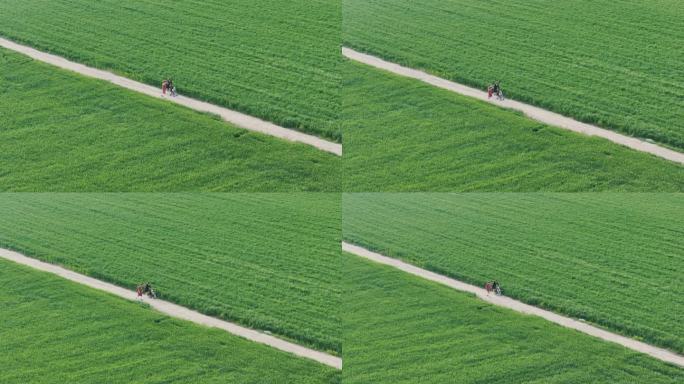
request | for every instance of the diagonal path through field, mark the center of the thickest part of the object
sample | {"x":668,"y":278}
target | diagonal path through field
{"x":177,"y":311}
{"x":239,"y":119}
{"x":502,"y":301}
{"x":536,"y":113}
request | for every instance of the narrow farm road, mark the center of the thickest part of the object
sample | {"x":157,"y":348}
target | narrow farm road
{"x":177,"y":311}
{"x":502,"y":301}
{"x":532,"y":112}
{"x":239,"y":119}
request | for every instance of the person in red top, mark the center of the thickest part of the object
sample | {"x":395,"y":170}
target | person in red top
{"x":165,"y":85}
{"x":145,"y":288}
{"x":489,"y":286}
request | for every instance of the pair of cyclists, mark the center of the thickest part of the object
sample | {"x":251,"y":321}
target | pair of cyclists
{"x":145,"y":289}
{"x":167,"y":85}
{"x":493,"y":286}
{"x":495,"y":89}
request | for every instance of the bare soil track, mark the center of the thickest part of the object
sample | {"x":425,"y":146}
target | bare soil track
{"x":239,"y":119}
{"x":177,"y":311}
{"x":502,"y":301}
{"x":532,"y":112}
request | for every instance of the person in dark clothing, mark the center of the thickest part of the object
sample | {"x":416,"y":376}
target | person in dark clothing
{"x":172,"y":88}
{"x":496,"y":287}
{"x":145,"y":288}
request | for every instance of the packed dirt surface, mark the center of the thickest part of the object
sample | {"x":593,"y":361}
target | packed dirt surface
{"x":502,"y":301}
{"x":239,"y":119}
{"x":176,"y":311}
{"x":532,"y":112}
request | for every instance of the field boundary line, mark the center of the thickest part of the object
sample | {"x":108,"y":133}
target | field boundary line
{"x":239,"y":119}
{"x":507,"y":302}
{"x":176,"y":311}
{"x":535,"y":113}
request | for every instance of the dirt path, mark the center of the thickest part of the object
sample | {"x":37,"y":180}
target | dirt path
{"x":177,"y":311}
{"x":535,"y":113}
{"x":658,"y":353}
{"x":239,"y":119}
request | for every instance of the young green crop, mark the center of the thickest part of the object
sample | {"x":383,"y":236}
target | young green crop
{"x":55,"y":331}
{"x":274,"y":60}
{"x":613,"y":63}
{"x":611,"y":259}
{"x":403,"y":135}
{"x":401,"y":329}
{"x":267,"y":261}
{"x":63,"y":132}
